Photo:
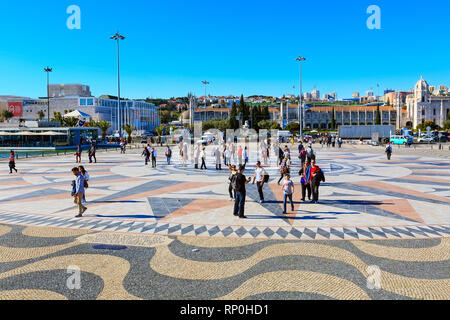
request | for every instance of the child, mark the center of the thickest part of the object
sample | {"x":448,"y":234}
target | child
{"x":12,"y":162}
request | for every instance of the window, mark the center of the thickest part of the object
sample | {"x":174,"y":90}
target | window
{"x":423,"y":112}
{"x":90,"y":102}
{"x":434,"y":112}
{"x":82,"y":102}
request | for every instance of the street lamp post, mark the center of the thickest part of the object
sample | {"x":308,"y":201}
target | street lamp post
{"x":118,"y":37}
{"x":300,"y":100}
{"x":48,"y":70}
{"x":205,"y":83}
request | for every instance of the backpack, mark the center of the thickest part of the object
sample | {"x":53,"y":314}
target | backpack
{"x":234,"y":181}
{"x":169,"y":153}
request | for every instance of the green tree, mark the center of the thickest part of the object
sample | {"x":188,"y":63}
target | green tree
{"x":243,"y":109}
{"x":6,"y":115}
{"x":70,"y":122}
{"x":378,"y":116}
{"x":423,"y":126}
{"x":255,"y":117}
{"x":41,"y":115}
{"x":293,"y":127}
{"x":333,"y":120}
{"x":159,"y":131}
{"x":265,"y":115}
{"x":234,"y":123}
{"x":104,"y":126}
{"x":388,"y":102}
{"x":129,"y":130}
{"x":268,"y":124}
{"x":447,"y":124}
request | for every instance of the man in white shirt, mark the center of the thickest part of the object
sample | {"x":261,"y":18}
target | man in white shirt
{"x":259,"y":177}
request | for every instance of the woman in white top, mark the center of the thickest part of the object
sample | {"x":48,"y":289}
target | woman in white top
{"x":85,"y":174}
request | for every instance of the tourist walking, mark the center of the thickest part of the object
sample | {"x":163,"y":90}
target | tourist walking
{"x":79,"y":191}
{"x":78,"y":154}
{"x":260,"y":177}
{"x":339,"y":141}
{"x":310,"y":154}
{"x":282,"y":170}
{"x":153,"y":155}
{"x":85,"y":175}
{"x":123,"y":146}
{"x":227,"y":155}
{"x":231,"y":191}
{"x":245,"y":156}
{"x":238,"y":184}
{"x":233,"y":152}
{"x":317,"y":176}
{"x":168,"y":155}
{"x":216,"y":155}
{"x":388,"y":151}
{"x":305,"y":173}
{"x":146,"y":154}
{"x":91,"y":153}
{"x":203,"y":156}
{"x":196,"y":155}
{"x":12,"y":162}
{"x":288,"y":191}
{"x":240,"y":151}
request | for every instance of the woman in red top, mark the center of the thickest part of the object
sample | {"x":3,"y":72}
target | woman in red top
{"x":315,"y":181}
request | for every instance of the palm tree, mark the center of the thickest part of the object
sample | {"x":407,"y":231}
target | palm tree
{"x":159,"y":130}
{"x":41,"y":115}
{"x":70,"y":122}
{"x":104,"y":126}
{"x":129,"y":130}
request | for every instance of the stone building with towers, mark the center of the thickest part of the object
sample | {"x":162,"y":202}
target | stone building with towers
{"x":422,"y":105}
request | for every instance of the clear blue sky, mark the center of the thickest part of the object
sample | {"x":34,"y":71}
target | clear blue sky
{"x":242,"y":46}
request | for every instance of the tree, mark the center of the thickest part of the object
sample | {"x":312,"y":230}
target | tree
{"x":243,"y":110}
{"x":220,"y":124}
{"x":41,"y":115}
{"x":6,"y":114}
{"x":129,"y":130}
{"x":265,"y":115}
{"x":268,"y":124}
{"x":388,"y":102}
{"x":234,"y":123}
{"x":255,"y":117}
{"x":423,"y":126}
{"x":333,"y":120}
{"x":447,"y":124}
{"x":70,"y":122}
{"x":104,"y":126}
{"x":378,"y":117}
{"x":159,"y":131}
{"x":293,"y":127}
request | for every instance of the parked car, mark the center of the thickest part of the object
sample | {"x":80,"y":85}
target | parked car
{"x":426,"y":139}
{"x":406,"y":140}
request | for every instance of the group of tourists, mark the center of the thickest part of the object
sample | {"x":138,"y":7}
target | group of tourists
{"x":91,"y":153}
{"x":150,"y":153}
{"x":310,"y":178}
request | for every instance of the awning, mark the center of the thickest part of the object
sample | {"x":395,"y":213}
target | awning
{"x":77,"y":114}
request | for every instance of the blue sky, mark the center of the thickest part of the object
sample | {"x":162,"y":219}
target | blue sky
{"x":242,"y":46}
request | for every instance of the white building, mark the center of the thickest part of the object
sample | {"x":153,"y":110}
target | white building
{"x":423,"y":106}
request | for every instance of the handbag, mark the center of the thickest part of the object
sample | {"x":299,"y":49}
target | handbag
{"x":86,"y":185}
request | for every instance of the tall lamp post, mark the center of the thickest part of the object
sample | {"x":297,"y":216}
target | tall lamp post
{"x":205,"y":83}
{"x":300,"y":100}
{"x":48,"y":70}
{"x":118,"y":37}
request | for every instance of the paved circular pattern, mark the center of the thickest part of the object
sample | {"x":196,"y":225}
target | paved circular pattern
{"x":365,"y":197}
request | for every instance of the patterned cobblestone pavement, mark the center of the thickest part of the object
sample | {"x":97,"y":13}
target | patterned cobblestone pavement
{"x":169,"y":233}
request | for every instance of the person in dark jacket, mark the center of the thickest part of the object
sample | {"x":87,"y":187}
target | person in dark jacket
{"x":317,"y":176}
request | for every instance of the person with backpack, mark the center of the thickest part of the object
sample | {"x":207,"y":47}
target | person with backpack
{"x":238,"y":184}
{"x":231,"y":191}
{"x":317,"y":176}
{"x":146,"y":154}
{"x":302,"y":157}
{"x":288,"y":191}
{"x":168,"y":155}
{"x":79,"y":191}
{"x":388,"y":150}
{"x":310,"y":154}
{"x":260,"y":177}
